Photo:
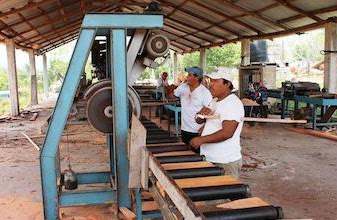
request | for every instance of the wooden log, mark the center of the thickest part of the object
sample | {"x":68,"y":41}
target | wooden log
{"x":188,"y":165}
{"x":206,"y":181}
{"x":314,"y":133}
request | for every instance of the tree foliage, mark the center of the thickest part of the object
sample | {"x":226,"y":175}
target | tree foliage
{"x":228,"y":56}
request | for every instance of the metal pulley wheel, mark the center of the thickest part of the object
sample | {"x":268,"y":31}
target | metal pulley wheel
{"x":95,"y":87}
{"x":157,"y":45}
{"x":100,"y":109}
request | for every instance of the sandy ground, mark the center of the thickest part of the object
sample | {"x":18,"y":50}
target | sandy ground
{"x":287,"y":169}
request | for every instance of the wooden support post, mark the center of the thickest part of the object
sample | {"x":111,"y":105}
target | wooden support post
{"x":12,"y":77}
{"x":203,"y":60}
{"x":33,"y":81}
{"x":330,"y":73}
{"x":45,"y":77}
{"x":175,"y":68}
{"x":245,"y":52}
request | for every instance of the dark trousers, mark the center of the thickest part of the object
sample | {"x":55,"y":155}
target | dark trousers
{"x":187,"y":137}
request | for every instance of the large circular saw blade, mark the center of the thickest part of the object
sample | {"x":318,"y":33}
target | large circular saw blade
{"x":100,"y":110}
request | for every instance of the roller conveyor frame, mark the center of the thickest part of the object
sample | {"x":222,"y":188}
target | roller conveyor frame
{"x":183,"y":199}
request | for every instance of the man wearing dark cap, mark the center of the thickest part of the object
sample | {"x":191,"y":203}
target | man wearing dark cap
{"x":193,"y":96}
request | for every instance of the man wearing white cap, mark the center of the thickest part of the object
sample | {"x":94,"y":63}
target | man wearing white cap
{"x":220,"y":140}
{"x":193,"y":97}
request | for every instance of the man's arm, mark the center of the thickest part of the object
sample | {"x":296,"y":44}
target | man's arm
{"x":227,"y":131}
{"x":203,"y":111}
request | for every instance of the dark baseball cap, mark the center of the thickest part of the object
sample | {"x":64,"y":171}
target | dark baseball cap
{"x":195,"y":70}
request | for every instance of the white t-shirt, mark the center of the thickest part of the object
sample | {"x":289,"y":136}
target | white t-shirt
{"x":162,"y":83}
{"x":229,"y":109}
{"x":191,"y":103}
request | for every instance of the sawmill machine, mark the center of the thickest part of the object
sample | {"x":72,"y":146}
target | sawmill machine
{"x":122,"y":66}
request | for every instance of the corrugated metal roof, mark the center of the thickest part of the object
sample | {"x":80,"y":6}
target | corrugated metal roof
{"x":190,"y":24}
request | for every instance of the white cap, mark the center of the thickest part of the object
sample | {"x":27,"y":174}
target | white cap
{"x":221,"y":73}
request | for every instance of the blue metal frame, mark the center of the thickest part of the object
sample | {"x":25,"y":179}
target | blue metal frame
{"x":49,"y":157}
{"x":49,"y":160}
{"x":120,"y":123}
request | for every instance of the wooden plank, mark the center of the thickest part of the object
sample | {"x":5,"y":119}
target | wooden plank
{"x":275,"y":120}
{"x":144,"y":167}
{"x":138,"y":141}
{"x":206,"y":181}
{"x":188,"y":165}
{"x":165,"y":144}
{"x":314,"y":133}
{"x":149,"y":206}
{"x":244,"y":203}
{"x":174,"y":153}
{"x":128,"y":214}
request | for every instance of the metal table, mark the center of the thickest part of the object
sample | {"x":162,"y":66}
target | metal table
{"x":328,"y":108}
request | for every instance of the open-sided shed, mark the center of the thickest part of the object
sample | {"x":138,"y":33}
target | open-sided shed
{"x":43,"y":25}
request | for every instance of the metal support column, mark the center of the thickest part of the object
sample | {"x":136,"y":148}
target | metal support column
{"x":120,"y":119}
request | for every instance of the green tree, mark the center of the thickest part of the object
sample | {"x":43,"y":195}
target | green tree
{"x":228,"y":56}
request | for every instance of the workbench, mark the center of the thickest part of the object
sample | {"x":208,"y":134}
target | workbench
{"x":328,"y":108}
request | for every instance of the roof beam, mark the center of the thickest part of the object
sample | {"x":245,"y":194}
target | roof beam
{"x":11,"y":30}
{"x":178,"y":45}
{"x":221,"y":14}
{"x":179,"y":37}
{"x":192,"y":27}
{"x":55,"y":19}
{"x":294,"y":8}
{"x":313,"y":12}
{"x":27,"y":6}
{"x":186,"y":33}
{"x":176,"y":8}
{"x":79,"y":21}
{"x":49,"y":19}
{"x":45,"y":50}
{"x":201,"y":18}
{"x":61,"y":30}
{"x":30,"y":25}
{"x":61,"y":9}
{"x":254,"y":14}
{"x":269,"y":35}
{"x":49,"y":11}
{"x":58,"y":39}
{"x":65,"y":30}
